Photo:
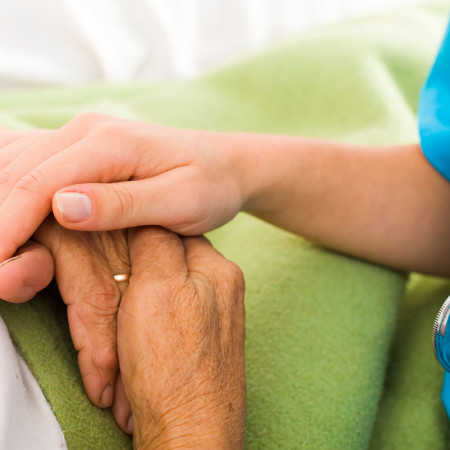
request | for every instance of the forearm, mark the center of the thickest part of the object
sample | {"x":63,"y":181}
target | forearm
{"x":383,"y":204}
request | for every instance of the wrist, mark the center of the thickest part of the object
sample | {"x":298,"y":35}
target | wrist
{"x":277,"y":174}
{"x":240,"y":153}
{"x":262,"y":164}
{"x":190,"y":431}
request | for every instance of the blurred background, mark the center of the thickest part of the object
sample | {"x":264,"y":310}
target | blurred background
{"x":66,"y":42}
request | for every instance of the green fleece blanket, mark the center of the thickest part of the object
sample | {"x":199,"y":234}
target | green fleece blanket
{"x":334,"y":359}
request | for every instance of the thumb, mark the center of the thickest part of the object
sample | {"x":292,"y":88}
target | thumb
{"x":28,"y":272}
{"x":161,"y":200}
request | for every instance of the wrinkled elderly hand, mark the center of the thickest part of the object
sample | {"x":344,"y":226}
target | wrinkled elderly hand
{"x":180,"y":331}
{"x":85,"y":265}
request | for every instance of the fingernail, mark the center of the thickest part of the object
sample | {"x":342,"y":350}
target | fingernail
{"x":73,"y":206}
{"x":130,"y":424}
{"x":107,"y":396}
{"x":9,"y":260}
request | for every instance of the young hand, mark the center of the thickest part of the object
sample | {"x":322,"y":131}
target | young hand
{"x":109,"y":173}
{"x":22,"y":277}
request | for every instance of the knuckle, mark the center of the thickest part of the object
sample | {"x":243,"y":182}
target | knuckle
{"x":168,"y":287}
{"x":105,"y":357}
{"x":33,"y":182}
{"x":101,"y":302}
{"x":7,"y":137}
{"x":125,"y":200}
{"x":87,"y":119}
{"x":232,"y":280}
{"x":234,"y":272}
{"x":6,"y":175}
{"x":110,"y":129}
{"x":103,"y":130}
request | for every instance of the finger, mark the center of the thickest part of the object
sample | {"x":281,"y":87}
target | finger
{"x":202,"y":259}
{"x":30,"y":186}
{"x":8,"y":136}
{"x":157,"y":264}
{"x":199,"y":250}
{"x":27,"y":273}
{"x":160,"y":200}
{"x":20,"y":156}
{"x":29,"y":153}
{"x":13,"y":143}
{"x":26,"y":154}
{"x":88,"y":288}
{"x":121,"y":408}
{"x":156,"y":254}
{"x":205,"y":262}
{"x":93,"y":300}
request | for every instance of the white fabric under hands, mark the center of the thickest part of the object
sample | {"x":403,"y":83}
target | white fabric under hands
{"x":26,"y":420}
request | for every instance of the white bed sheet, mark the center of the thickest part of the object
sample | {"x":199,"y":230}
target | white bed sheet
{"x":26,"y":420}
{"x":64,"y":42}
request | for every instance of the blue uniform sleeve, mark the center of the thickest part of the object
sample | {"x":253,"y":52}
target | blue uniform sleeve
{"x":434,"y":111}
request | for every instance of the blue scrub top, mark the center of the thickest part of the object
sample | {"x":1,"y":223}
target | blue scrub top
{"x":434,"y":111}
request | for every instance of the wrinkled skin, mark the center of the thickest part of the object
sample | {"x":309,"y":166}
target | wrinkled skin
{"x":180,"y":331}
{"x":85,"y":264}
